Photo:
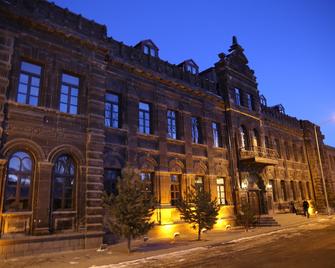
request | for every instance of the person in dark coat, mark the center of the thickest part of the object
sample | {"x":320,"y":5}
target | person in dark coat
{"x":305,"y":206}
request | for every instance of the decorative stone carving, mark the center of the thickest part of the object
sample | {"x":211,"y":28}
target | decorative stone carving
{"x":176,"y":166}
{"x":147,"y":163}
{"x":199,"y":167}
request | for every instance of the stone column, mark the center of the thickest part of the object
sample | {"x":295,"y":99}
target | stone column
{"x":41,"y":208}
{"x":3,"y":163}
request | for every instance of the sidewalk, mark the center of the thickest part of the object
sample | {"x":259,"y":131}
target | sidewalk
{"x":118,"y":253}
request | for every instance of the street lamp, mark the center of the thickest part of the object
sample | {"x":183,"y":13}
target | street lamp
{"x":321,"y":168}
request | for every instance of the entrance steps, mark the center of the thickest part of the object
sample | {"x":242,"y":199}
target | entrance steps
{"x":266,"y":221}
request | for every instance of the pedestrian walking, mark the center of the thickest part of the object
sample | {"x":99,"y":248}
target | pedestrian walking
{"x":305,"y":206}
{"x":292,"y":208}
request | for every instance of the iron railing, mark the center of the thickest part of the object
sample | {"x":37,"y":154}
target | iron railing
{"x":258,"y":151}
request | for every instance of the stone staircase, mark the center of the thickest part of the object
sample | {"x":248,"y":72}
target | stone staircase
{"x":266,"y":221}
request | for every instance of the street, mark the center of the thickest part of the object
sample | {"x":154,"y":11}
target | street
{"x":311,"y":244}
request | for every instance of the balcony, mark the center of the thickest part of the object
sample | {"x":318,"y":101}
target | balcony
{"x":258,"y":155}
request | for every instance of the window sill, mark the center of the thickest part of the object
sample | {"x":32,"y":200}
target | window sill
{"x":169,"y":140}
{"x":147,"y":136}
{"x":114,"y":129}
{"x":199,"y":144}
{"x":64,"y":212}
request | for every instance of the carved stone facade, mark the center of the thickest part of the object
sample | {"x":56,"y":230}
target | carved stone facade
{"x":225,"y":135}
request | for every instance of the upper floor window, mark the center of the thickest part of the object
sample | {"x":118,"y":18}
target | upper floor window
{"x":250,"y":102}
{"x":112,"y":110}
{"x":288,"y":151}
{"x":171,"y":124}
{"x":196,"y":130}
{"x":244,"y":137}
{"x":255,"y":138}
{"x":144,"y":120}
{"x":277,"y":145}
{"x":69,"y":94}
{"x":238,"y":97}
{"x":29,"y":83}
{"x":149,"y":50}
{"x":175,"y":189}
{"x":216,"y":134}
{"x":283,"y":190}
{"x":147,"y":178}
{"x":191,"y":69}
{"x":111,"y":176}
{"x":63,"y":182}
{"x":220,"y":188}
{"x":18,"y":182}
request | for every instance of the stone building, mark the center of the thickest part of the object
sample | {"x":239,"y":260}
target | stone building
{"x":77,"y":105}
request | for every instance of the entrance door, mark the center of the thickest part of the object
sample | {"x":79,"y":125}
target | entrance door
{"x":253,"y":197}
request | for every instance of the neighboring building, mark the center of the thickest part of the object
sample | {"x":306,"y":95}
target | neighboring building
{"x":76,"y":106}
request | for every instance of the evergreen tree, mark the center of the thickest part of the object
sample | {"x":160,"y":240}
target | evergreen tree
{"x":128,"y":213}
{"x":246,"y":216}
{"x":197,"y":208}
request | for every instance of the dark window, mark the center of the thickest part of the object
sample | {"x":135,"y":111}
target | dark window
{"x":238,"y":96}
{"x":69,"y":94}
{"x":196,"y":131}
{"x":199,"y":183}
{"x":144,"y":121}
{"x":29,"y":83}
{"x":267,"y":142}
{"x":283,"y":189}
{"x":64,"y":174}
{"x":112,"y":113}
{"x":175,"y":189}
{"x":250,"y":102}
{"x":220,"y":189}
{"x":18,"y":182}
{"x":295,"y":153}
{"x":171,"y":124}
{"x":302,"y":154}
{"x":147,"y":178}
{"x":216,"y":135}
{"x":293,"y":190}
{"x":148,"y":50}
{"x":273,"y":187}
{"x":244,"y":137}
{"x":111,"y":176}
{"x":309,"y":193}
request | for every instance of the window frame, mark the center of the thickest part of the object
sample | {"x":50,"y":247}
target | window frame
{"x":145,"y":128}
{"x":19,"y":175}
{"x":112,"y":181}
{"x":175,"y":189}
{"x":112,"y":104}
{"x":29,"y":85}
{"x":63,"y":206}
{"x":148,"y":179}
{"x":250,"y":102}
{"x":172,"y":125}
{"x":70,"y":88}
{"x":237,"y":96}
{"x":216,"y":132}
{"x":196,"y":130}
{"x":197,"y":184}
{"x":220,"y":188}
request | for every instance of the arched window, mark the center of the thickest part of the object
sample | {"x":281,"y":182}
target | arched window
{"x":244,"y":137}
{"x":18,"y":182}
{"x":64,"y":174}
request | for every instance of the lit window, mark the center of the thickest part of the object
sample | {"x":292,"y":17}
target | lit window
{"x":196,"y":130}
{"x":144,"y":121}
{"x":237,"y":96}
{"x":147,"y":178}
{"x":220,"y":188}
{"x":69,"y":94}
{"x":112,"y":110}
{"x":110,"y":180}
{"x":171,"y":124}
{"x":63,"y":183}
{"x":175,"y":189}
{"x":199,"y":183}
{"x":29,"y":83}
{"x":216,"y":134}
{"x":250,"y":102}
{"x":18,"y":182}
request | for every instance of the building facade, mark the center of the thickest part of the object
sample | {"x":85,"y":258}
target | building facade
{"x":76,"y":106}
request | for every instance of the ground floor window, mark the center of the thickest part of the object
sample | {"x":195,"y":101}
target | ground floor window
{"x":273,"y":187}
{"x":175,"y":189}
{"x":110,"y":180}
{"x":199,"y":183}
{"x":147,"y":178}
{"x":220,"y":189}
{"x":283,"y":190}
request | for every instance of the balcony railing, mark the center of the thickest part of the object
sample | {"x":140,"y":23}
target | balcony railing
{"x":258,"y":152}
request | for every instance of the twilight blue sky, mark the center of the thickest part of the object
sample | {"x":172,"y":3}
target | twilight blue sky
{"x":289,"y":43}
